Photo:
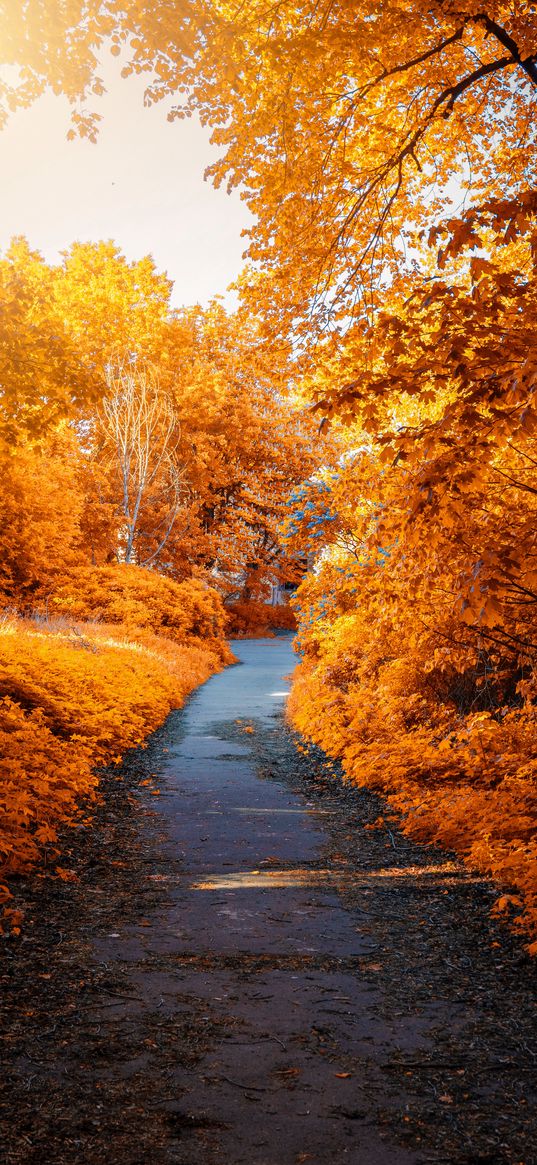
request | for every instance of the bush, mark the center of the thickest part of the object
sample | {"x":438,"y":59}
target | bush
{"x":73,"y":700}
{"x":460,"y":776}
{"x":140,"y":600}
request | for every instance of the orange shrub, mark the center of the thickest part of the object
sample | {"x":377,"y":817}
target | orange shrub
{"x":371,"y":690}
{"x":74,"y":700}
{"x":141,"y":600}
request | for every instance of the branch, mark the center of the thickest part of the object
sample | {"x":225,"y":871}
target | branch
{"x":522,"y":453}
{"x":410,"y":64}
{"x":152,"y":557}
{"x":508,"y":642}
{"x":530,"y":489}
{"x":175,"y":506}
{"x":446,"y":98}
{"x":456,"y":91}
{"x":528,"y":64}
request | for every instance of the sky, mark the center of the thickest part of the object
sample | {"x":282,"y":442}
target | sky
{"x":140,"y":185}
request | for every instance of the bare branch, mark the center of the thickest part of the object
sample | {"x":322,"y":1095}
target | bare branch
{"x":141,"y":424}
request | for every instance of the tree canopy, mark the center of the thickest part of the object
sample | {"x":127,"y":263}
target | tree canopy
{"x":348,"y":128}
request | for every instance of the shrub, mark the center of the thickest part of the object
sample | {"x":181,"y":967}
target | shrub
{"x":141,"y":600}
{"x":74,"y":700}
{"x":462,"y":777}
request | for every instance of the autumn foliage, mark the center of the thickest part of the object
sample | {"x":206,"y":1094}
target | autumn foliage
{"x":142,"y":457}
{"x":141,"y":602}
{"x":74,"y":698}
{"x":435,"y":736}
{"x":419,"y":623}
{"x":251,"y":618}
{"x":388,"y":155}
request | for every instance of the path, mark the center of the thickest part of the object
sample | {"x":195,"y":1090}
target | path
{"x":230,"y":1013}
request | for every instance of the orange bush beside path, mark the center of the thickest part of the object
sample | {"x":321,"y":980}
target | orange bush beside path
{"x":75,"y":698}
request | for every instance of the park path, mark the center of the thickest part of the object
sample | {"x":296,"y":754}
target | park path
{"x":243,"y":975}
{"x":253,"y":927}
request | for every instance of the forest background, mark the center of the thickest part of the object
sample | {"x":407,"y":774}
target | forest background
{"x":387,"y":153}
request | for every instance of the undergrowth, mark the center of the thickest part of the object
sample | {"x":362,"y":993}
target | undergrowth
{"x":76,"y":697}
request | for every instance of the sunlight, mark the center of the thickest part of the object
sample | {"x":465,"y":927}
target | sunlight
{"x":248,"y":879}
{"x":256,"y":809}
{"x":302,"y":876}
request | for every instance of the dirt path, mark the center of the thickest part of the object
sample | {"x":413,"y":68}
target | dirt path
{"x":243,"y":974}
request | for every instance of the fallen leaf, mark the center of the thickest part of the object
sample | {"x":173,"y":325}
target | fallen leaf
{"x":66,"y":875}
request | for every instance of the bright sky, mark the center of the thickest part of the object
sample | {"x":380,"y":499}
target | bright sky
{"x":141,"y":185}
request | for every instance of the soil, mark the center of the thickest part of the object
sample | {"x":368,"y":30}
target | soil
{"x":242,"y":972}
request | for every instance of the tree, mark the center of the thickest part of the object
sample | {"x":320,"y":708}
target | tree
{"x":43,"y":376}
{"x":354,"y":132}
{"x":140,"y":428}
{"x":108,"y":302}
{"x":40,"y":509}
{"x":182,"y":452}
{"x":244,"y":443}
{"x":60,"y":325}
{"x":346,"y":126}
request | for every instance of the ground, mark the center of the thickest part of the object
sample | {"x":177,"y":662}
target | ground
{"x":242,"y":973}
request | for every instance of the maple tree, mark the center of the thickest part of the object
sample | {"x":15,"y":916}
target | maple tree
{"x":419,"y":626}
{"x":40,"y":506}
{"x":112,"y":307}
{"x":178,"y":439}
{"x":37,"y":349}
{"x":242,"y":443}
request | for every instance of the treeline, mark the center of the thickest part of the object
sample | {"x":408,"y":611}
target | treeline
{"x":133,"y":433}
{"x":145,"y":456}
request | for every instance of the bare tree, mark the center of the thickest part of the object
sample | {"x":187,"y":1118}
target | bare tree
{"x":141,"y":425}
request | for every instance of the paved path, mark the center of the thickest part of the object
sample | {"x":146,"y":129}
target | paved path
{"x":254,"y":928}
